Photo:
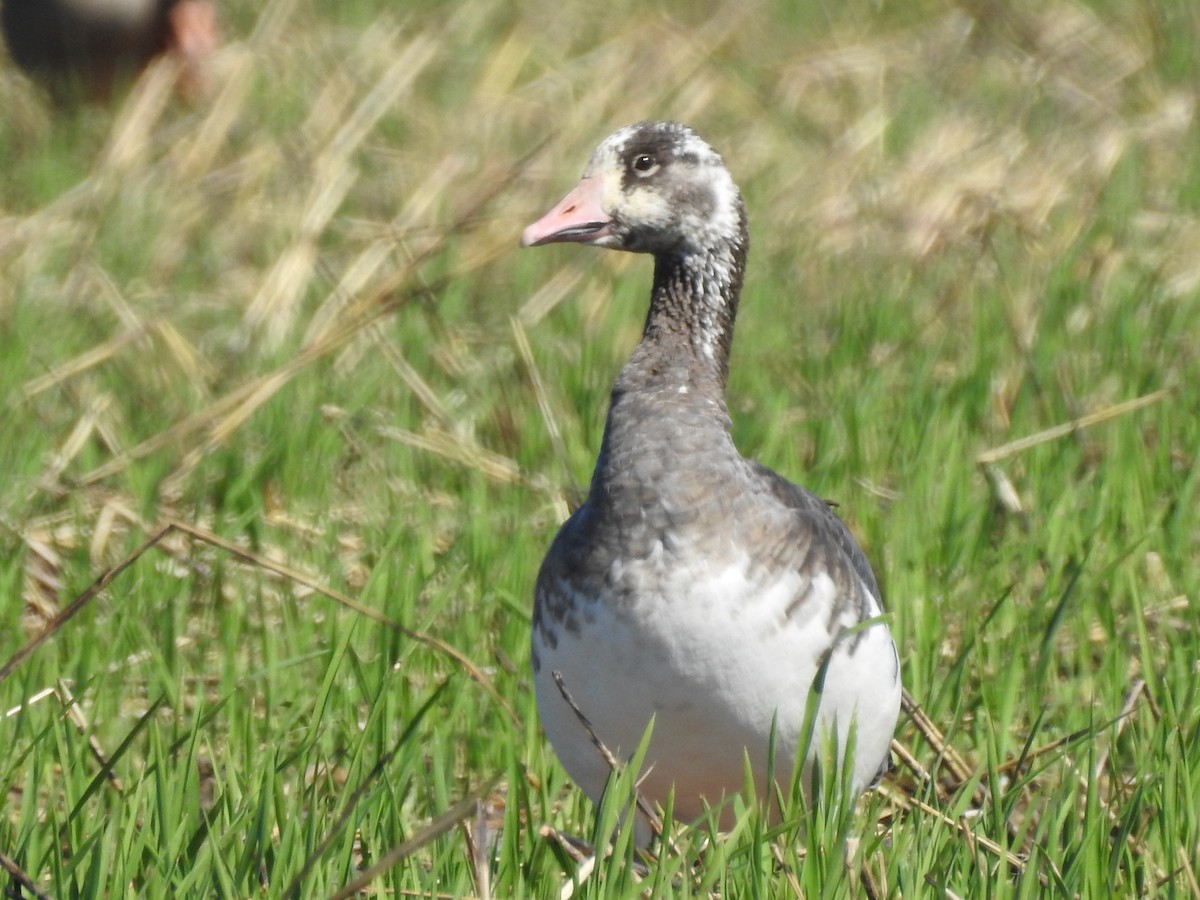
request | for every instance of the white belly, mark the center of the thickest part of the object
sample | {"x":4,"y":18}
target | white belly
{"x":715,"y":659}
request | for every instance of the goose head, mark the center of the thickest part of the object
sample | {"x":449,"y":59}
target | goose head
{"x":651,"y":187}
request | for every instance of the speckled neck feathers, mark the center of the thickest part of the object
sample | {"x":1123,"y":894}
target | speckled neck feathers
{"x":668,"y":402}
{"x":694,"y":304}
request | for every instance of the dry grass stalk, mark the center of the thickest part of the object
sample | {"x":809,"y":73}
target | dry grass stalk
{"x":944,"y":752}
{"x":228,"y":413}
{"x":493,"y":466}
{"x":543,"y":400}
{"x":435,"y":828}
{"x":79,"y":720}
{"x":68,"y":612}
{"x":42,"y":582}
{"x":139,"y":116}
{"x":647,"y":812}
{"x":101,"y":353}
{"x":88,"y":425}
{"x":1068,"y":428}
{"x":273,"y":310}
{"x":557,"y":288}
{"x":1185,"y":865}
{"x":479,"y":839}
{"x":196,"y":153}
{"x":413,"y":380}
{"x":962,"y":827}
{"x":21,"y":877}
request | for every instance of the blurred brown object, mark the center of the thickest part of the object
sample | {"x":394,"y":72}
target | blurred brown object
{"x":83,"y":49}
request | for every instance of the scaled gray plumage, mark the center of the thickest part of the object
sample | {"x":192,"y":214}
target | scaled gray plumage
{"x":694,"y":586}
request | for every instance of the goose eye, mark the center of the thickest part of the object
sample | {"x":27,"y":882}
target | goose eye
{"x":644,"y":164}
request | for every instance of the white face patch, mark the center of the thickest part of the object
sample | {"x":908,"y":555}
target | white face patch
{"x":667,"y":191}
{"x":686,"y":200}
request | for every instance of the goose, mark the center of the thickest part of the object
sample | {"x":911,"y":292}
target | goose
{"x":85,"y":48}
{"x":695,"y":589}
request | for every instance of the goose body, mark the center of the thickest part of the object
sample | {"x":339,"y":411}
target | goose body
{"x":695,"y":587}
{"x":86,"y":47}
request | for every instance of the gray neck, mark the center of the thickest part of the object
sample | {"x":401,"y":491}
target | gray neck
{"x":689,"y":328}
{"x":668,"y":414}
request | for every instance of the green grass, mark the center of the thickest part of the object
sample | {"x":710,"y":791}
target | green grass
{"x":286,"y":318}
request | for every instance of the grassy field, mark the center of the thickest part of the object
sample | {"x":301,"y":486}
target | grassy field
{"x":290,"y":321}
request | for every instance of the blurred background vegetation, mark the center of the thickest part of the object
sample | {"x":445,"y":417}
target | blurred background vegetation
{"x":290,"y":312}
